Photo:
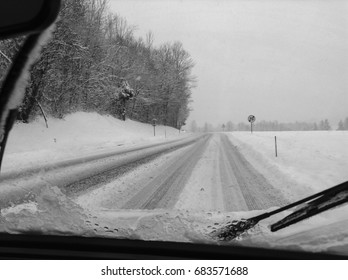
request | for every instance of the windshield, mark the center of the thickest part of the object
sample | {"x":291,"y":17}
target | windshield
{"x":166,"y":120}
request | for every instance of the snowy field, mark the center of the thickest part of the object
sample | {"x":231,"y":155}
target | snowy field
{"x":307,"y":161}
{"x":77,"y":135}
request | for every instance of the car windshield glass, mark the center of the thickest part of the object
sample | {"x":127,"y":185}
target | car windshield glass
{"x":166,"y":120}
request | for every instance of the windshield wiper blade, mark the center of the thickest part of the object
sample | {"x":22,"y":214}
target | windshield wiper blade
{"x":321,"y":204}
{"x":324,"y":200}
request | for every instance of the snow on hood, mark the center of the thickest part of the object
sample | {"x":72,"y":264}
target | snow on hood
{"x":53,"y":213}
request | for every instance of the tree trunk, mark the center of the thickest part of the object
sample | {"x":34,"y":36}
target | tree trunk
{"x":42,"y":112}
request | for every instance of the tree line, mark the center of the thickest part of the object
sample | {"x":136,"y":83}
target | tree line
{"x":90,"y":53}
{"x":269,"y":126}
{"x":343,"y":124}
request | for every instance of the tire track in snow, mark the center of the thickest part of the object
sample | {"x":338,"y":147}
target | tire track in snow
{"x":257,"y":192}
{"x":80,"y":175}
{"x":163,"y":191}
{"x":96,"y":180}
{"x":231,"y":192}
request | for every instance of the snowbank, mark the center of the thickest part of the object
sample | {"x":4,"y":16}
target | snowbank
{"x":307,"y":162}
{"x":76,"y":135}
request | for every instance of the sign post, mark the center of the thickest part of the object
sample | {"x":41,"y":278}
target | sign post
{"x":276,"y":148}
{"x":181,"y":124}
{"x":251,"y":119}
{"x":154,"y":126}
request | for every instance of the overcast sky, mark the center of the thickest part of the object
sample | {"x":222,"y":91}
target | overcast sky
{"x":277,"y":59}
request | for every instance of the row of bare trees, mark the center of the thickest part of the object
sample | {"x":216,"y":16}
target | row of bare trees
{"x":91,"y":51}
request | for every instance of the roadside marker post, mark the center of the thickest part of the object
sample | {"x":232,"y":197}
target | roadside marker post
{"x":275,"y":144}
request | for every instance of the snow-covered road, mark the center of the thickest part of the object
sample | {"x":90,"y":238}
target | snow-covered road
{"x":201,"y":172}
{"x":209,"y":175}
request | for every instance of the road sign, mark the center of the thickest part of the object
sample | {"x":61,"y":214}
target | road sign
{"x":251,"y":118}
{"x":154,"y":126}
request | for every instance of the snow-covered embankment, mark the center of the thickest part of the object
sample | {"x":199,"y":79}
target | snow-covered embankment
{"x":77,"y":135}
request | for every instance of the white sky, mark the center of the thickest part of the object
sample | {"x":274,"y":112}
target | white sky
{"x":277,"y":59}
